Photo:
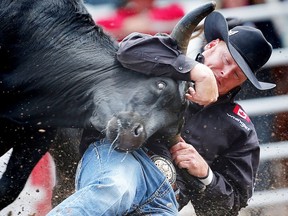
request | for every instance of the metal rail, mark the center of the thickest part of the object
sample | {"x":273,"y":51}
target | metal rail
{"x":268,"y":198}
{"x":274,"y":151}
{"x":266,"y":105}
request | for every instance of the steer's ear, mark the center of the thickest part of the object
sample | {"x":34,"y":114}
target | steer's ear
{"x":186,"y":26}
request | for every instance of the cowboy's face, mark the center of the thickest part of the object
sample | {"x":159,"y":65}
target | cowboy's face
{"x":225,"y":69}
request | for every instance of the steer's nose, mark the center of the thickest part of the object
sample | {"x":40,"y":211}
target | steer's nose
{"x":126,"y":131}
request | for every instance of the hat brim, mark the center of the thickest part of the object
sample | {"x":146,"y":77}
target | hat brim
{"x":215,"y":26}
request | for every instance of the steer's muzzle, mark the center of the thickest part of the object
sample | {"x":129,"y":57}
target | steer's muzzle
{"x":126,"y":131}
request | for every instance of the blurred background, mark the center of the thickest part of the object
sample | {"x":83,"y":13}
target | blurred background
{"x":267,"y":109}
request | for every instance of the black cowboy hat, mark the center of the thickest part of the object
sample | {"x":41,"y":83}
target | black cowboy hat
{"x":246,"y":44}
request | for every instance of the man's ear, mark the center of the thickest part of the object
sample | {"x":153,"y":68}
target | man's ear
{"x":211,"y":44}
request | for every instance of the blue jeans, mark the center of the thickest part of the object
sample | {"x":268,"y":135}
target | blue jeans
{"x":109,"y":182}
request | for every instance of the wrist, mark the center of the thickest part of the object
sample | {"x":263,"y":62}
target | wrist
{"x":201,"y":73}
{"x":207,"y":179}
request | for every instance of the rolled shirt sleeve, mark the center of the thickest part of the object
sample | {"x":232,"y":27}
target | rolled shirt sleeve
{"x":155,"y":55}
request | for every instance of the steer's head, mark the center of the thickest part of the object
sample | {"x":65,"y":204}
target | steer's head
{"x":138,"y":106}
{"x":155,"y":104}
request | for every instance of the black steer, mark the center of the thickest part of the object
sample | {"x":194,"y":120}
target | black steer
{"x":58,"y":70}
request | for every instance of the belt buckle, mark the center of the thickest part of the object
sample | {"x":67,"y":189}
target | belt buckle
{"x":166,"y":167}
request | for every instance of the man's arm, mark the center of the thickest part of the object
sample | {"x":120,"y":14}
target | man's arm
{"x":159,"y":56}
{"x":232,"y":182}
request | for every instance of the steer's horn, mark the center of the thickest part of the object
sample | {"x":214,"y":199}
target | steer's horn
{"x":185,"y":27}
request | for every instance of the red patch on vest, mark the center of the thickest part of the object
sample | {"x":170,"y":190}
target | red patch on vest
{"x":240,"y":112}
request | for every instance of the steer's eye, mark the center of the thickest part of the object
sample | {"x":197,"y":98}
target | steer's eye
{"x":161,"y":85}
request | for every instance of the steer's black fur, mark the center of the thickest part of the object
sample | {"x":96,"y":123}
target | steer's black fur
{"x":58,"y":69}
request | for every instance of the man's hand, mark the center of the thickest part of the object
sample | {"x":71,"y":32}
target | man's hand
{"x":206,"y":90}
{"x":186,"y":156}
